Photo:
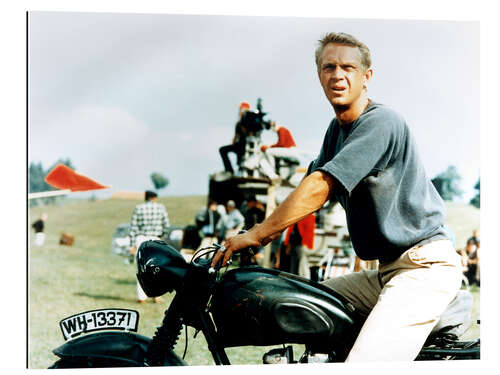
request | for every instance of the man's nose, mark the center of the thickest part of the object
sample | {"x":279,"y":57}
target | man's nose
{"x":337,"y":74}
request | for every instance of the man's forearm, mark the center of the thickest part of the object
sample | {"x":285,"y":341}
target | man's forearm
{"x":308,"y":197}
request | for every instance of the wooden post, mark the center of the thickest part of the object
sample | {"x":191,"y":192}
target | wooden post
{"x":270,"y":207}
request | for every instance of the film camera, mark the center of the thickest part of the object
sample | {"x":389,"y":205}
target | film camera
{"x":252,"y":124}
{"x":253,"y":121}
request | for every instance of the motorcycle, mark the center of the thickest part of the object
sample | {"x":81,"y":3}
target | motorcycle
{"x":236,"y":307}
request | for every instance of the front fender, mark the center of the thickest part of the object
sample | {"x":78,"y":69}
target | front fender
{"x":120,"y":348}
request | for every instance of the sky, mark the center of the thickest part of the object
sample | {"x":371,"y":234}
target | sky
{"x":125,"y":95}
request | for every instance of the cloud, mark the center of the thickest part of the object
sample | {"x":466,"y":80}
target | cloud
{"x":132,"y":93}
{"x":84,"y":133}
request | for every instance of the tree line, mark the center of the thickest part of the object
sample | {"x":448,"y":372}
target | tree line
{"x":447,"y":185}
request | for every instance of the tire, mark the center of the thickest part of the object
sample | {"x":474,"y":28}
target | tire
{"x":92,"y":363}
{"x":65,"y":363}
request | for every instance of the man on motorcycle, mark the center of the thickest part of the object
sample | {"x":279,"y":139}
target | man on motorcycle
{"x":369,"y":163}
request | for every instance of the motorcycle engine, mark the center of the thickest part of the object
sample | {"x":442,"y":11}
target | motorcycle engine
{"x":285,"y":355}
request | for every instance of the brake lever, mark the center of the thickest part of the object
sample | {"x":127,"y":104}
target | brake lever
{"x":212,"y":270}
{"x":215,"y":270}
{"x":218,"y":266}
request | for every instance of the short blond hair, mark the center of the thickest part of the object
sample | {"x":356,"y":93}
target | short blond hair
{"x":347,"y":39}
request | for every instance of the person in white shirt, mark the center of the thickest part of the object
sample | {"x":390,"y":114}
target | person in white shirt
{"x":231,"y":223}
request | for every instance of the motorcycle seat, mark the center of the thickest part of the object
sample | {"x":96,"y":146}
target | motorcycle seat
{"x":456,"y":319}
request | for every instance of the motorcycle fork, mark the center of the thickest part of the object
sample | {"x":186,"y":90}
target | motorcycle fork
{"x":208,"y":328}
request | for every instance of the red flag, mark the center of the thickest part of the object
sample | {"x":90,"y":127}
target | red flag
{"x":63,"y":177}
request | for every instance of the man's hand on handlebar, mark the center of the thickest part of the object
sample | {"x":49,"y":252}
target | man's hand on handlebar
{"x":235,"y":244}
{"x":239,"y":242}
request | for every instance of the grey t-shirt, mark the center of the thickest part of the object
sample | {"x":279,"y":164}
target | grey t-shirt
{"x":390,"y":204}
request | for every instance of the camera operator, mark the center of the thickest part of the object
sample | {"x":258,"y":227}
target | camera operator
{"x":284,"y":148}
{"x":239,"y":141}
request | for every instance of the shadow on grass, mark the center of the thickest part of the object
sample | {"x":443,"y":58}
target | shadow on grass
{"x":125,"y":281}
{"x":100,"y":296}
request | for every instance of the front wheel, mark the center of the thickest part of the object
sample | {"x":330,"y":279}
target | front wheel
{"x":90,"y":363}
{"x":64,"y":363}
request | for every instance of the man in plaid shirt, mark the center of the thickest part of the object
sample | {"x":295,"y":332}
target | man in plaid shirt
{"x":149,"y":222}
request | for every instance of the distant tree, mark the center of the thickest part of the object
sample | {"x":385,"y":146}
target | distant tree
{"x":447,"y":184}
{"x":36,"y":176}
{"x":67,"y":162}
{"x":36,"y":181}
{"x":159,"y":180}
{"x":476,"y":201}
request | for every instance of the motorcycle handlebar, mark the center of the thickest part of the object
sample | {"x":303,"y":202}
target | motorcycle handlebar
{"x":222,"y":248}
{"x":217,"y":267}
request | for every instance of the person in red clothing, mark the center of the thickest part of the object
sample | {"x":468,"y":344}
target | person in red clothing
{"x":297,"y":237}
{"x":284,"y":148}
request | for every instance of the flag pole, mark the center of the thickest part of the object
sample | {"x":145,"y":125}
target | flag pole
{"x":45,"y":194}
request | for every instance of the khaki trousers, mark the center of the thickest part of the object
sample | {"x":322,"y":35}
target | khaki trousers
{"x":403,"y":300}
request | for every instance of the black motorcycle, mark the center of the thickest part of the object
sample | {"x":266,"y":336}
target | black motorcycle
{"x":238,"y":307}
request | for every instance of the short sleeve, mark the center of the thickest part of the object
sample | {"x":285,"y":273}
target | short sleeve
{"x":368,"y":147}
{"x":324,"y":151}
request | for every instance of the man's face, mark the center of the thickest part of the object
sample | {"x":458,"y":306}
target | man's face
{"x":342,"y":75}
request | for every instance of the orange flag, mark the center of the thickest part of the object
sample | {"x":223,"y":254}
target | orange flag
{"x":63,"y":177}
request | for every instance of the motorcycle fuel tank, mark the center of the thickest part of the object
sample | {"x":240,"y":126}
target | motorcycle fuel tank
{"x":259,"y":306}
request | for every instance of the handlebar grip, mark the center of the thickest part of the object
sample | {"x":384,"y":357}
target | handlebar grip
{"x":218,"y":265}
{"x":214,"y":269}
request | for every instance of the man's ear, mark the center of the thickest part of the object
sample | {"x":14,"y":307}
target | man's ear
{"x":367,"y":76}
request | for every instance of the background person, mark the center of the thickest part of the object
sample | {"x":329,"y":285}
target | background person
{"x":149,"y":222}
{"x":298,"y":237}
{"x":284,"y":148}
{"x":254,"y":214}
{"x":370,"y":164}
{"x":472,"y":254}
{"x":475,"y":237}
{"x":238,"y":144}
{"x":231,"y":223}
{"x":208,"y":222}
{"x":208,"y":219}
{"x":39,"y":226}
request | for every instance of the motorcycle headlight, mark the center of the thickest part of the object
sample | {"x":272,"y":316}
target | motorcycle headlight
{"x":160,"y":268}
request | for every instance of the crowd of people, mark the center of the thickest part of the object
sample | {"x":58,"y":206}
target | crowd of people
{"x":217,"y":222}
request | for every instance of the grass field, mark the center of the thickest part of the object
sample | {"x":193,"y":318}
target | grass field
{"x":66,"y":280}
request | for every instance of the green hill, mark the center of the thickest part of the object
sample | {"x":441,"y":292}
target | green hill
{"x":462,"y":219}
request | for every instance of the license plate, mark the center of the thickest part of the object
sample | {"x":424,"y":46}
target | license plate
{"x":97,"y":320}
